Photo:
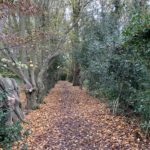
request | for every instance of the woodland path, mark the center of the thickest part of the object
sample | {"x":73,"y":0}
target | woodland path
{"x":70,"y":119}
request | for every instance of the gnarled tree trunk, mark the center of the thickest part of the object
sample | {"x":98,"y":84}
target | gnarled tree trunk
{"x":10,"y":100}
{"x":40,"y":84}
{"x":31,"y":99}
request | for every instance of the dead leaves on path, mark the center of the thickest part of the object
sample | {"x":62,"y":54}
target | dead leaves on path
{"x":72,"y":120}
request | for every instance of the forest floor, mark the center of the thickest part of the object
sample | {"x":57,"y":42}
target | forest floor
{"x":70,"y":119}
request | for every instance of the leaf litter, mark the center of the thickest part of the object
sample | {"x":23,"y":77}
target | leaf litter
{"x":70,"y":119}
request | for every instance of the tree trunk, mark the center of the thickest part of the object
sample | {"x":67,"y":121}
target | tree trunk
{"x":40,"y":84}
{"x":41,"y":89}
{"x":76,"y":7}
{"x":31,"y":99}
{"x":76,"y":75}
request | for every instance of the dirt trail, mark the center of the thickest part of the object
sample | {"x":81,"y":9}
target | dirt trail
{"x":70,"y":119}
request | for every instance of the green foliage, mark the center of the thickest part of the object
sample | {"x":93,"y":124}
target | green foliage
{"x":4,"y":72}
{"x":118,"y":67}
{"x":138,"y":38}
{"x":138,"y":26}
{"x":8,"y":133}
